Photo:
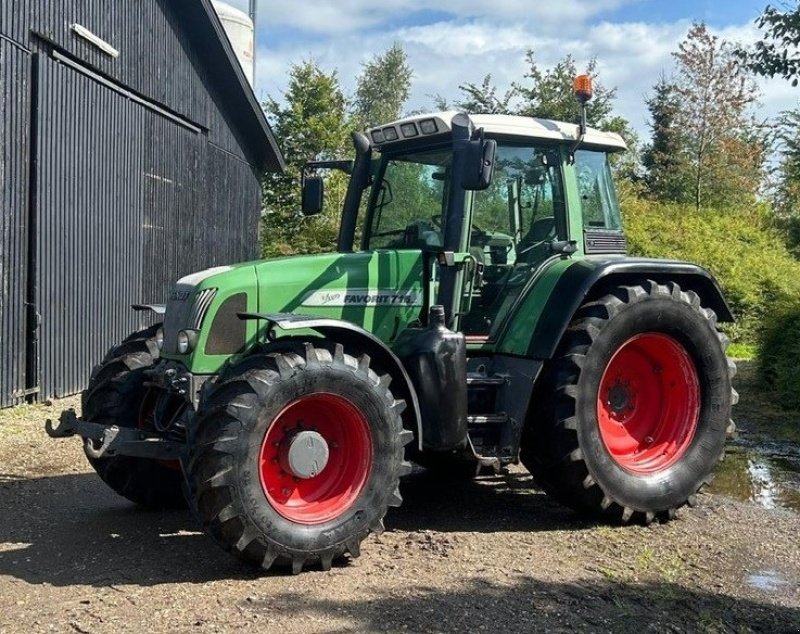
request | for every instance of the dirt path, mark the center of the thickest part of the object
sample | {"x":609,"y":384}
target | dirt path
{"x":487,"y":556}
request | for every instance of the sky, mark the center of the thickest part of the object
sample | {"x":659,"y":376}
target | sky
{"x":460,"y":41}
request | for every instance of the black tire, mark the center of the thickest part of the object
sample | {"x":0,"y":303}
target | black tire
{"x":240,"y":413}
{"x":562,"y":444}
{"x":115,"y":396}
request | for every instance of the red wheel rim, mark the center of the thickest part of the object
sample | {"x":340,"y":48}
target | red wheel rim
{"x":325,"y":496}
{"x":648,"y":405}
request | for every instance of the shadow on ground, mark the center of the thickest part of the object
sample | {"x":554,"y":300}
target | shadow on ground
{"x":530,"y":605}
{"x":71,"y":529}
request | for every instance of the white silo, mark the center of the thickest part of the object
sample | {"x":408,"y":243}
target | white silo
{"x":240,"y":31}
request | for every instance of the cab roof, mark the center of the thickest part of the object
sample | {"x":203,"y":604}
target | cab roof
{"x":494,"y":125}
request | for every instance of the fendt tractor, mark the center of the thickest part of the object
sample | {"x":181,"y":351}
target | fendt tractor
{"x":479,"y":311}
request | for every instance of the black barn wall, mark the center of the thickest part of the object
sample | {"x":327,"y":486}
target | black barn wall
{"x":15,"y":78}
{"x":140,"y":174}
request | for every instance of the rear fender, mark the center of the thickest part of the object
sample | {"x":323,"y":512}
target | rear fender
{"x":591,"y":278}
{"x":355,"y":338}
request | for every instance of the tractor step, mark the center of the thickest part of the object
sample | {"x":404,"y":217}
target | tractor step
{"x":487,"y":419}
{"x":485,"y":381}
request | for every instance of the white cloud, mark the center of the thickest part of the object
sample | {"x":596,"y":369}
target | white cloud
{"x":348,"y":16}
{"x":446,"y":54}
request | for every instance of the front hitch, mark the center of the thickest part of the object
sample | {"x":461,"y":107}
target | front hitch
{"x":105,"y":441}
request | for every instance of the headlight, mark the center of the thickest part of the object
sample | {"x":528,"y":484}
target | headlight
{"x":186,"y":341}
{"x":160,"y":338}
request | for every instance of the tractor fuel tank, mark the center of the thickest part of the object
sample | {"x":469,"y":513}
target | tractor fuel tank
{"x":436,"y":361}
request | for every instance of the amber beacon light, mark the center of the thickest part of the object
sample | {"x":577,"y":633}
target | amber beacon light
{"x":583,"y":88}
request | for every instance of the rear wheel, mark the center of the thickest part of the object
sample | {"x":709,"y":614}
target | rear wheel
{"x":116,"y":395}
{"x":636,"y":406}
{"x":295,"y":458}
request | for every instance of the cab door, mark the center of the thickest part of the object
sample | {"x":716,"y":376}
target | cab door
{"x":513,"y":224}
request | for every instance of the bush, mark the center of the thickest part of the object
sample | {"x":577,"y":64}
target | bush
{"x":779,"y":355}
{"x":749,"y":259}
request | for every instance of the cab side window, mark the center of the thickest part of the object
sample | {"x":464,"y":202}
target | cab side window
{"x":408,"y":202}
{"x":596,"y":189}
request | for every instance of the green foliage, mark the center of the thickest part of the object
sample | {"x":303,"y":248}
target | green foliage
{"x":664,"y":180}
{"x":777,"y":53}
{"x":548,"y":93}
{"x":786,"y":195}
{"x":779,"y":354}
{"x":310,"y":125}
{"x":748,"y":259}
{"x":482,"y":98}
{"x":706,"y":149}
{"x":382,"y":89}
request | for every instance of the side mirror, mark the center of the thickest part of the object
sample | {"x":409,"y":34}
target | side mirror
{"x":478,"y":164}
{"x":313,"y":195}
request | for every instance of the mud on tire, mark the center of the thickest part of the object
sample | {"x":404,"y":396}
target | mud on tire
{"x":249,"y":500}
{"x":115,"y":396}
{"x":635,"y":406}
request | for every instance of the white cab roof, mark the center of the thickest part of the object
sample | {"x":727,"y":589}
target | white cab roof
{"x":515,"y":126}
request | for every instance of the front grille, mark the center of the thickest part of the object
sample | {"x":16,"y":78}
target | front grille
{"x":184,"y":314}
{"x":201,"y":303}
{"x":604,"y":241}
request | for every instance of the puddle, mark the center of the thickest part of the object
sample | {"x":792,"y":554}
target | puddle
{"x":767,"y":474}
{"x":766,"y":580}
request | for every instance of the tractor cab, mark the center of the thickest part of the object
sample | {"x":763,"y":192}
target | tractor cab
{"x":483,"y":242}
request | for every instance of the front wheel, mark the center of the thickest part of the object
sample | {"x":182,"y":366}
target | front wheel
{"x":295,"y":458}
{"x":636,"y":406}
{"x":118,"y":395}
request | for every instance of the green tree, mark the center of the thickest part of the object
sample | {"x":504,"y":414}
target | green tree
{"x":382,"y":88}
{"x":310,"y":124}
{"x":721,"y":148}
{"x":664,"y":179}
{"x":778,"y":52}
{"x":483,"y":98}
{"x":786,"y":196}
{"x":548,"y":93}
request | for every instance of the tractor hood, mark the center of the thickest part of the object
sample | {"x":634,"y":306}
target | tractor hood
{"x":335,"y":285}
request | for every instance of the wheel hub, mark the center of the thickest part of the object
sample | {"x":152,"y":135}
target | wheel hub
{"x":305,"y":455}
{"x":620,"y":399}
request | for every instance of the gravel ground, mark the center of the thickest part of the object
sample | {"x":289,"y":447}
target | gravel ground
{"x":457,"y":557}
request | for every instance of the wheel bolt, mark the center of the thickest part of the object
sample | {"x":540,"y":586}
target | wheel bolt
{"x":648,"y":440}
{"x":286,"y":491}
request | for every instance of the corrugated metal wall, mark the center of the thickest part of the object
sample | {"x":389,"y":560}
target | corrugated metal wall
{"x":89,"y":223}
{"x":15,"y":77}
{"x":128,"y":197}
{"x":156,"y":58}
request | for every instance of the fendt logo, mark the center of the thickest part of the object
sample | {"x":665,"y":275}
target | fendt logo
{"x":178,"y":296}
{"x":363,"y":297}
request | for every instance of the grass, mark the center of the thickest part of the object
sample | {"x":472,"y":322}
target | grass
{"x":14,"y":421}
{"x":744,"y":351}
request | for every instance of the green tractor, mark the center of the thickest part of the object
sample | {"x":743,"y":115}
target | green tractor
{"x":479,"y":311}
